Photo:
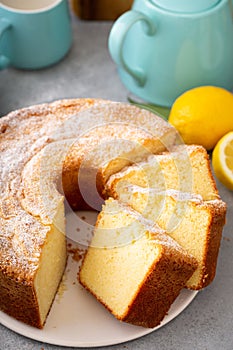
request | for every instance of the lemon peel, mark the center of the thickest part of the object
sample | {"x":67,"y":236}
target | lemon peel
{"x":203,"y":115}
{"x":222,"y":160}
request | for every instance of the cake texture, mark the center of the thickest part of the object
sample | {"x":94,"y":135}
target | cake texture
{"x":117,"y":137}
{"x":193,"y":223}
{"x":49,"y":153}
{"x":133,"y":267}
{"x":185,"y":168}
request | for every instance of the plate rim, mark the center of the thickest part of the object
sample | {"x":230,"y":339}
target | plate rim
{"x":37,"y":334}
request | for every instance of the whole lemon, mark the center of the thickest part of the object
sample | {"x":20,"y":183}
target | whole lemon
{"x":203,"y":115}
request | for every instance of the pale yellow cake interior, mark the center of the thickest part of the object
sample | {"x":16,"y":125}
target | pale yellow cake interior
{"x":52,"y":266}
{"x":102,"y":269}
{"x":106,"y":275}
{"x":185,"y":217}
{"x":115,"y":273}
{"x":183,"y":168}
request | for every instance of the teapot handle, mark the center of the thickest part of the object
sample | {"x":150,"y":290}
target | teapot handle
{"x":4,"y":25}
{"x":117,"y":37}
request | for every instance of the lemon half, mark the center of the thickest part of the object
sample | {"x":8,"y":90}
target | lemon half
{"x":222,"y":160}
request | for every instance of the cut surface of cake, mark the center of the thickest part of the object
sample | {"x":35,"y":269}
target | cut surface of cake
{"x":112,"y":136}
{"x":39,"y":163}
{"x":184,"y":168}
{"x":132,"y":267}
{"x":195,"y":224}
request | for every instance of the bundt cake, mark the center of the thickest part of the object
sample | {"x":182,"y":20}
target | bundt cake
{"x":49,"y":152}
{"x":193,"y":223}
{"x":132,"y":267}
{"x":184,"y":168}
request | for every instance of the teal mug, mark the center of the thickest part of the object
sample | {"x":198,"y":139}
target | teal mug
{"x":165,"y":47}
{"x":34,"y":34}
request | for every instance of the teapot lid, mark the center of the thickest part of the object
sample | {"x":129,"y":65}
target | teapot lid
{"x":186,"y":6}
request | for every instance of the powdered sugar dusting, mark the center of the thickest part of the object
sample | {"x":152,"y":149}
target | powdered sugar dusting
{"x":177,"y":195}
{"x":29,"y":197}
{"x":137,"y":223}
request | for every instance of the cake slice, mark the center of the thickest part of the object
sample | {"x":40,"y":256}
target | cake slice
{"x":184,"y":168}
{"x":134,"y":269}
{"x":195,"y":224}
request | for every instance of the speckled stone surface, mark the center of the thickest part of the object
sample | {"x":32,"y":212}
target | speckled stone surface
{"x":87,"y":71}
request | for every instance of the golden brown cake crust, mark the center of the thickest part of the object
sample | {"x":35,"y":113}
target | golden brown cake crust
{"x":161,"y":287}
{"x":218,"y":219}
{"x":155,"y":296}
{"x":18,"y":299}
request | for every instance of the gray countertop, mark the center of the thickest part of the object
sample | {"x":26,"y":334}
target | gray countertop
{"x":87,"y":71}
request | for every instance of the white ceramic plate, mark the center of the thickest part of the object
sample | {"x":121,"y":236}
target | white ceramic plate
{"x":76,"y":318}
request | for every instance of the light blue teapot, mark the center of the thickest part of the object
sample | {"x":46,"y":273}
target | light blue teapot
{"x":165,"y":47}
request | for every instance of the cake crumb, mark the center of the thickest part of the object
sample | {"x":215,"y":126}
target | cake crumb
{"x":62,"y":288}
{"x":77,"y":253}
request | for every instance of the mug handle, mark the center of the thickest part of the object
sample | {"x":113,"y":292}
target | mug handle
{"x":117,"y":37}
{"x":4,"y":26}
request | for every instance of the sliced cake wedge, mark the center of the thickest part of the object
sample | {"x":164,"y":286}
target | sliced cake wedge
{"x":132,"y":267}
{"x":195,"y":224}
{"x":184,"y":168}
